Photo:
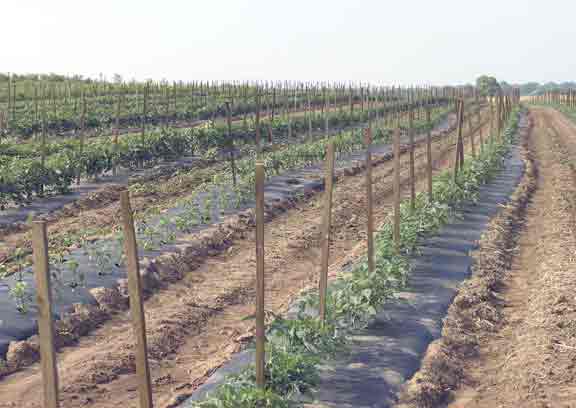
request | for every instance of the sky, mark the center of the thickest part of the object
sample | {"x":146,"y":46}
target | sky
{"x":405,"y":42}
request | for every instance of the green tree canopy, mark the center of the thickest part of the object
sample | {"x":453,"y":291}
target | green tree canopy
{"x":487,"y":85}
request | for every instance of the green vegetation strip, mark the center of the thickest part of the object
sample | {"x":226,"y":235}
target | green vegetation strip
{"x":23,"y":175}
{"x":156,"y":230}
{"x":295,"y":347}
{"x":155,"y":235}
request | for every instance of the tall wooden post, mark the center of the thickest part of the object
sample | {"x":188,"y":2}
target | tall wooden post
{"x":116,"y":131}
{"x":260,"y":329}
{"x":309,"y":111}
{"x":231,"y":141}
{"x":136,"y":302}
{"x":412,"y":164}
{"x":257,"y":123}
{"x":472,"y":141}
{"x":144,"y":113}
{"x":459,"y":144}
{"x":326,"y":220}
{"x":429,"y":153}
{"x":9,"y":110}
{"x":370,"y":221}
{"x":45,"y":315}
{"x":397,"y":188}
{"x":499,"y":116}
{"x":491,"y":135}
{"x":82,"y":135}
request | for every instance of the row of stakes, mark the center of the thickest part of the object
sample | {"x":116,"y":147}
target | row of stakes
{"x":42,"y":272}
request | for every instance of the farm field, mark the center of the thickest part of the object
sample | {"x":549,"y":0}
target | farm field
{"x":469,"y":173}
{"x":207,"y":306}
{"x":304,"y":204}
{"x":203,"y":310}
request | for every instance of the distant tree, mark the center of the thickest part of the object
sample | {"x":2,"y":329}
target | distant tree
{"x":117,"y":78}
{"x":528,"y":88}
{"x":487,"y":85}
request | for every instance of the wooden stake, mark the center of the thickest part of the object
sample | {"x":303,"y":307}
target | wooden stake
{"x":325,"y":238}
{"x":82,"y":135}
{"x":257,"y":123}
{"x":499,"y":117}
{"x":136,"y":303}
{"x":397,"y":188}
{"x":260,"y":329}
{"x":472,"y":141}
{"x":370,"y":224}
{"x":45,"y":325}
{"x":459,"y":144}
{"x":230,"y":142}
{"x":144,"y":113}
{"x":491,"y":132}
{"x":429,"y":153}
{"x":116,"y":131}
{"x":9,"y":110}
{"x":412,"y":164}
{"x":309,"y":114}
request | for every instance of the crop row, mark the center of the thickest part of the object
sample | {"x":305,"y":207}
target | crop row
{"x":102,"y":105}
{"x":198,"y":208}
{"x":23,"y":175}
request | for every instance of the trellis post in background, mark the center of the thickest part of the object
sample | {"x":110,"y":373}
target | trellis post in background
{"x":144,"y":112}
{"x":309,"y":113}
{"x":116,"y":131}
{"x":325,"y":237}
{"x":499,"y":116}
{"x":257,"y":122}
{"x":412,"y":164}
{"x":429,"y":153}
{"x":326,"y":111}
{"x":260,"y":329}
{"x":136,"y":302}
{"x":14,"y":101}
{"x":36,"y":105}
{"x":397,"y":188}
{"x":45,"y":324}
{"x":491,"y":132}
{"x":369,"y":198}
{"x":230,"y":142}
{"x":9,"y":109}
{"x":459,"y":144}
{"x":480,"y":133}
{"x":472,"y":140}
{"x":82,"y":135}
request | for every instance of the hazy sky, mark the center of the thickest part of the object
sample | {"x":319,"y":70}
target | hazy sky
{"x":400,"y":41}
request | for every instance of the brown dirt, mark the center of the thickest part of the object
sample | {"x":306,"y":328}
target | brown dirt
{"x":510,"y":338}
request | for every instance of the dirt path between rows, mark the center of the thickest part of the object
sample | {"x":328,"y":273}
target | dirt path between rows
{"x":530,"y":360}
{"x":195,"y":325}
